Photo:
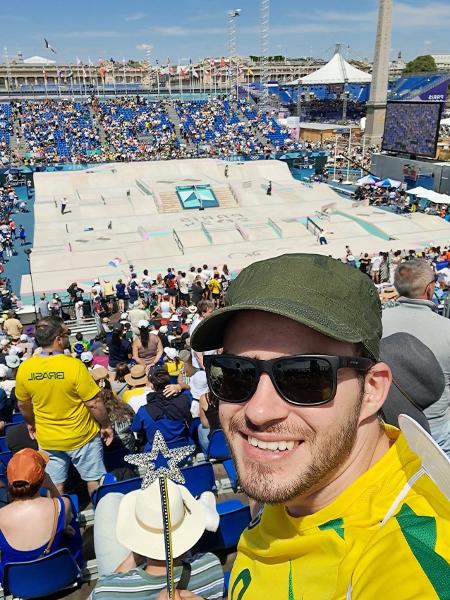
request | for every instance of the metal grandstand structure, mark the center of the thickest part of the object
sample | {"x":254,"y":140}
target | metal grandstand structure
{"x":232,"y":69}
{"x":264,"y":64}
{"x":8,"y":68}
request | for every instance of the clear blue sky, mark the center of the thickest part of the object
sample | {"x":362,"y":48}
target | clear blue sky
{"x":181,"y":29}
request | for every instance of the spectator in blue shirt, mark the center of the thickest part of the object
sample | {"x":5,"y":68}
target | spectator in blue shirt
{"x":171,"y":416}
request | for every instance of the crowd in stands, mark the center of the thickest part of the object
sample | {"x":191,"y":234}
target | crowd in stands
{"x":6,"y":132}
{"x":136,"y":129}
{"x":57,"y":131}
{"x":137,"y":376}
{"x":134,"y":378}
{"x":216,"y":126}
{"x":326,"y":111}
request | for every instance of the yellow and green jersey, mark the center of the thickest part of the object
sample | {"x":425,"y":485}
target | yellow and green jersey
{"x":386,"y":536}
{"x":58,"y":386}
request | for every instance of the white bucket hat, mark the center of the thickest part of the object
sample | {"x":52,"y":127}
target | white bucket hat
{"x":143,"y":323}
{"x":170,"y":352}
{"x":12,"y":361}
{"x":140,"y":521}
{"x":198,"y":384}
{"x":86,"y":357}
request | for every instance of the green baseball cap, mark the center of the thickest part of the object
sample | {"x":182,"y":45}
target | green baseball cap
{"x":318,"y":291}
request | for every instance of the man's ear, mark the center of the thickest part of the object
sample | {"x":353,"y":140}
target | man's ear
{"x":377,"y":383}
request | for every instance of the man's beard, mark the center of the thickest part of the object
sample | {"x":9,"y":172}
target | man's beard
{"x":328,"y":453}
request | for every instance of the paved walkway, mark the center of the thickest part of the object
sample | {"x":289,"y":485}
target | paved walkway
{"x":18,"y":265}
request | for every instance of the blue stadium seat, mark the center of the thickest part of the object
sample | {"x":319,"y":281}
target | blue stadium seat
{"x":230,"y":469}
{"x":5,"y":457}
{"x":120,"y":487}
{"x":218,"y":448}
{"x":3,"y":444}
{"x":17,"y":418}
{"x":200,"y":478}
{"x":114,"y":458}
{"x":10,"y":425}
{"x":42,"y":577}
{"x":226,"y":583}
{"x":234,"y":518}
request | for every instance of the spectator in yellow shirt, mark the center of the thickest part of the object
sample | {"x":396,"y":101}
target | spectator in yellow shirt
{"x":62,"y":407}
{"x":215,"y":287}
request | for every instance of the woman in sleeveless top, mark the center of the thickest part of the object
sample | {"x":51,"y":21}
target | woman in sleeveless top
{"x":209,"y":418}
{"x":147,"y":348}
{"x":32,"y":526}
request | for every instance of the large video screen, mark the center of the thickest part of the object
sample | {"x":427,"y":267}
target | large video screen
{"x":412,"y":128}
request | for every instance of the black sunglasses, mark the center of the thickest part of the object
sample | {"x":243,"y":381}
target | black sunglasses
{"x":304,"y":380}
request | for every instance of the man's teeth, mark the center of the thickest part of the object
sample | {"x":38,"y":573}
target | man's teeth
{"x":279,"y":445}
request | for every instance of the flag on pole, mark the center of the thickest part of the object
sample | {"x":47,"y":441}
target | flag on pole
{"x":102,"y":72}
{"x":47,"y":45}
{"x":115,"y":262}
{"x":78,"y":61}
{"x":44,"y":73}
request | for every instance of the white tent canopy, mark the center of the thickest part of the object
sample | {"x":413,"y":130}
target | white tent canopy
{"x":429,"y":195}
{"x":419,"y":191}
{"x":336,"y":71}
{"x":38,"y":60}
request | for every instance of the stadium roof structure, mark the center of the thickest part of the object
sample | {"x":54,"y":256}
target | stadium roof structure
{"x":336,"y":71}
{"x":38,"y":60}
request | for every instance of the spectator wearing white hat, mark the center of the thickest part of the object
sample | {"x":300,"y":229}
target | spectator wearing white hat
{"x":27,"y":345}
{"x":6,"y":383}
{"x":138,"y":532}
{"x":79,"y":314}
{"x":5,"y":344}
{"x":147,"y":349}
{"x":172,"y":363}
{"x":13,"y":361}
{"x":86,"y":358}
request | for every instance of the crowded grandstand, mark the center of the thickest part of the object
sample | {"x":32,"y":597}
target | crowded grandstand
{"x":224,"y":304}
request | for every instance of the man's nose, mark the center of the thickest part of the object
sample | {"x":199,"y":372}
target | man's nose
{"x":266,"y":406}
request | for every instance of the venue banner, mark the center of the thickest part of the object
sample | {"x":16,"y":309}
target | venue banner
{"x":436,"y":94}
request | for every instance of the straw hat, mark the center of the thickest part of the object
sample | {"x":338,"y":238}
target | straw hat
{"x":99,"y":373}
{"x":137,"y":376}
{"x":140,"y":521}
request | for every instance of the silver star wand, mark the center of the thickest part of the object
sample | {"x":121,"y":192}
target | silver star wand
{"x":172,"y":471}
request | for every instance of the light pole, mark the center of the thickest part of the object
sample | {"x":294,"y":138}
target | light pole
{"x":232,"y":73}
{"x":28,"y":253}
{"x":264,"y":59}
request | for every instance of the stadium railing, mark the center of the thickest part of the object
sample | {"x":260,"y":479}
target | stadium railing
{"x":179,"y":243}
{"x":312,"y":226}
